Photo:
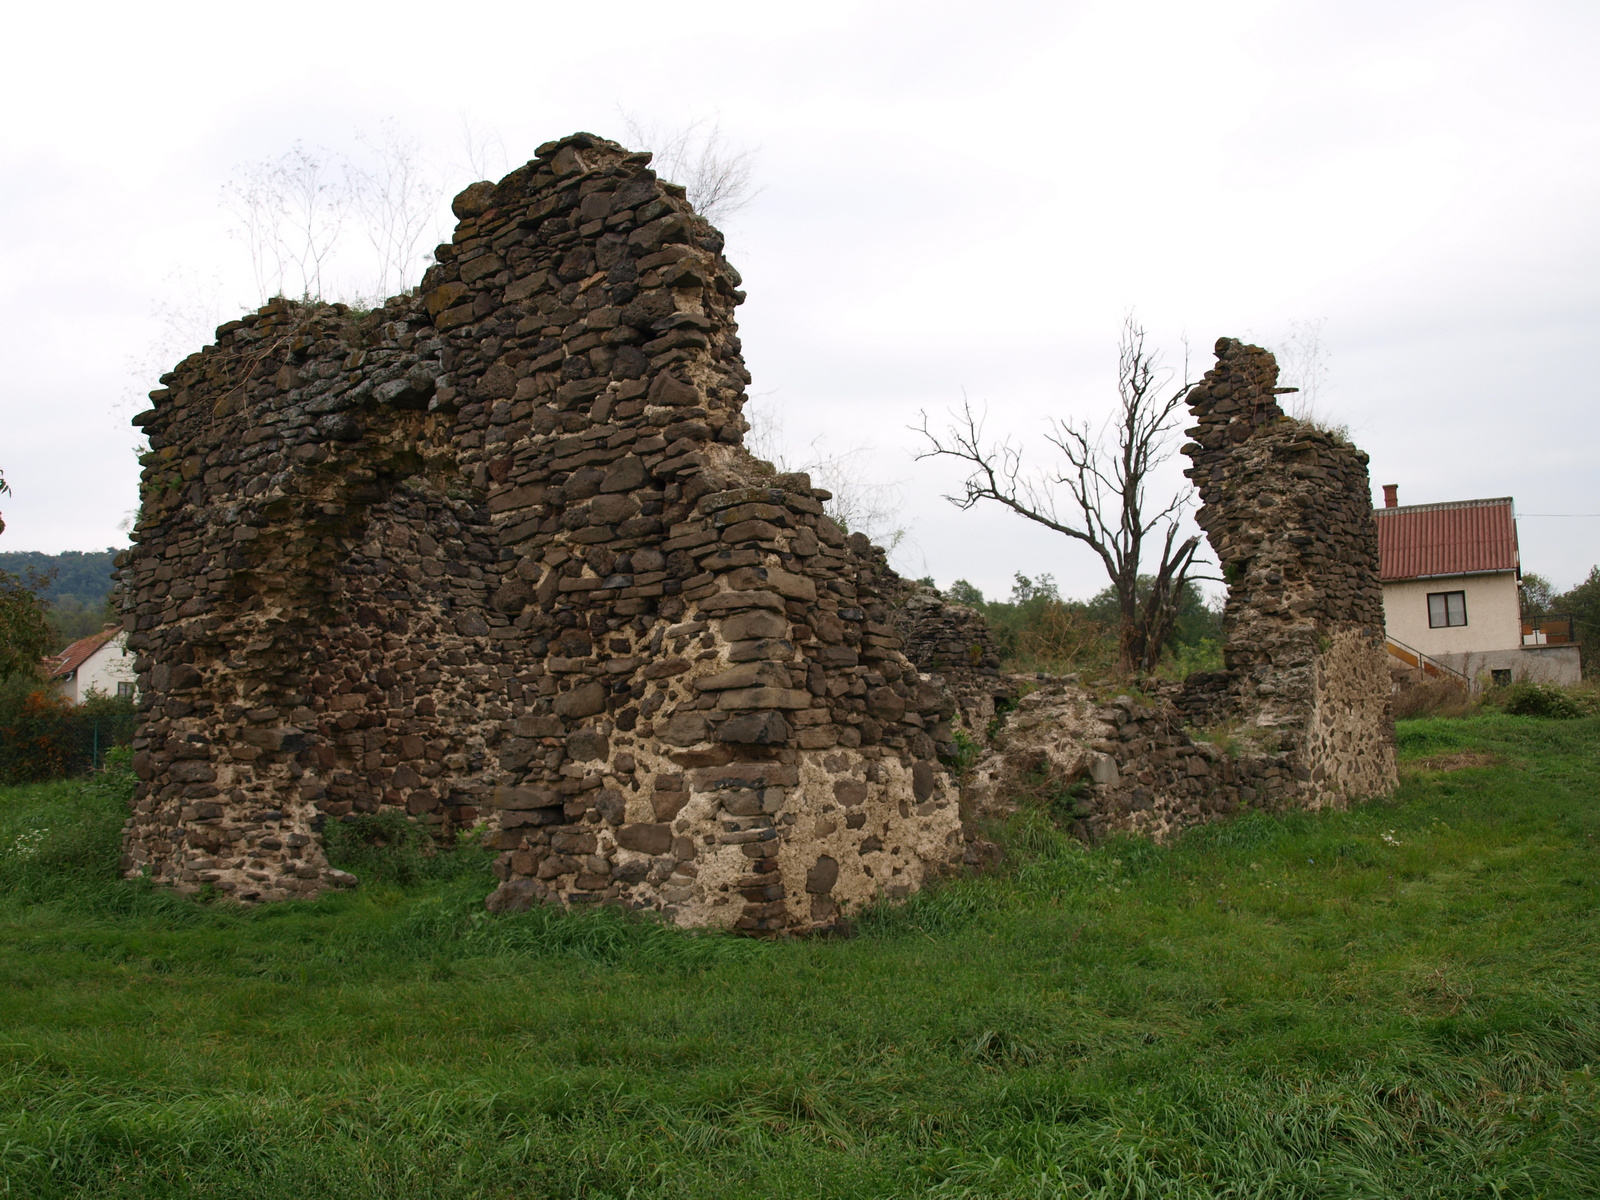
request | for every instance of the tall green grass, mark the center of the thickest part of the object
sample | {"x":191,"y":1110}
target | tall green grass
{"x":1400,"y":1000}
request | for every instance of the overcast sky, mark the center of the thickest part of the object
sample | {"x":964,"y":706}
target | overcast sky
{"x":955,"y":200}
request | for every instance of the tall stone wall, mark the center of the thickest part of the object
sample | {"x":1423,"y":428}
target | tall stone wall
{"x":496,"y":552}
{"x":1287,"y":508}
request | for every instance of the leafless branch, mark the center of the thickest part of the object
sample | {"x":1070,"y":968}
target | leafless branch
{"x":716,"y":175}
{"x":398,"y":200}
{"x":290,"y":213}
{"x":1103,"y":488}
{"x":858,"y":504}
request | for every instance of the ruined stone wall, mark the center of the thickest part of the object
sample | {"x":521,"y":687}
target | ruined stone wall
{"x":1287,"y":508}
{"x":496,"y":552}
{"x":954,"y":645}
{"x":1300,"y":717}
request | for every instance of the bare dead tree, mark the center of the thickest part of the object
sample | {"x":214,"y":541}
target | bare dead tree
{"x":1107,"y":505}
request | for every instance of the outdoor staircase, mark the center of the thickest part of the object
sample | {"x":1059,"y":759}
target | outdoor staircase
{"x":1430,"y":667}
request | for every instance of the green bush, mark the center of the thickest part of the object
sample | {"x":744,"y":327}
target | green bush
{"x":43,"y":736}
{"x":1038,"y":631}
{"x":1545,"y":700}
{"x":61,"y":840}
{"x":967,"y":749}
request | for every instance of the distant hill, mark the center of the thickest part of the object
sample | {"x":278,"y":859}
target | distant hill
{"x":82,"y":574}
{"x":77,"y":594}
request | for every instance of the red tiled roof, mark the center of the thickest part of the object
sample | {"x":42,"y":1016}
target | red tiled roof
{"x":1421,"y":540}
{"x":58,"y":666}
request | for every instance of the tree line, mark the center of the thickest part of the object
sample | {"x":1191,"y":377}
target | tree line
{"x":1036,"y":629}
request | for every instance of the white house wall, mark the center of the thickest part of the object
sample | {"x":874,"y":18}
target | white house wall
{"x":102,"y":671}
{"x":1494,"y":616}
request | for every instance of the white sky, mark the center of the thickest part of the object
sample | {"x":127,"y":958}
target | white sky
{"x":956,"y":199}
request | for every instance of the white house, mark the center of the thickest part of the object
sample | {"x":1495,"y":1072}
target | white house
{"x":1450,"y":573}
{"x":100,"y":663}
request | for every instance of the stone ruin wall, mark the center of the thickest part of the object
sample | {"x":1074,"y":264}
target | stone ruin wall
{"x":494,"y":554}
{"x":1301,"y":715}
{"x":496,"y":551}
{"x":1287,"y":507}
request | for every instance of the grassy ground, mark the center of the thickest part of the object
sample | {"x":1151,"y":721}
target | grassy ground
{"x":1396,"y":1001}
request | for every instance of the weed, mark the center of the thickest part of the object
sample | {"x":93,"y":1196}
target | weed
{"x":967,"y":751}
{"x":1431,"y":698}
{"x":1002,"y":709}
{"x":390,"y":847}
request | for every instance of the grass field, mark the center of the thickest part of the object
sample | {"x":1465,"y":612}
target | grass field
{"x":1397,"y":1001}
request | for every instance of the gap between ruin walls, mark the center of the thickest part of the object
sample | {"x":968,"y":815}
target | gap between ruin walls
{"x":495,"y":554}
{"x":1301,"y":715}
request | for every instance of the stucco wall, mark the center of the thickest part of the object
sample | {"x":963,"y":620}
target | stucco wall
{"x":1529,"y":664}
{"x":1494,"y":619}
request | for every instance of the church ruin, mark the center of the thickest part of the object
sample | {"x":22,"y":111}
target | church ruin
{"x":494,"y":554}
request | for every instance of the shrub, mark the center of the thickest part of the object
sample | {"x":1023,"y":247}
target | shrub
{"x":60,"y":841}
{"x":1182,"y":661}
{"x":1061,"y":639}
{"x":966,"y":750}
{"x":1431,"y":698}
{"x":1545,"y":700}
{"x":43,"y":736}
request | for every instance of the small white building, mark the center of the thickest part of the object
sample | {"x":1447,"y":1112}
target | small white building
{"x":1450,"y":574}
{"x":99,"y":663}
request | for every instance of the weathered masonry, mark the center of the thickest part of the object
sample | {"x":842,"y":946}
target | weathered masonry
{"x":495,"y":554}
{"x":497,"y":551}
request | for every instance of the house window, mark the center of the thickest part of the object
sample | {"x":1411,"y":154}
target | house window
{"x":1446,"y":608}
{"x":1501,"y":678}
{"x":124,"y":691}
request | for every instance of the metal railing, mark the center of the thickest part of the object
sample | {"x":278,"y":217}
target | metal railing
{"x":1432,"y":667}
{"x":1549,"y":630}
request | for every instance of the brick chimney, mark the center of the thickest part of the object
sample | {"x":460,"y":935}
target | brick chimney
{"x":1391,"y":495}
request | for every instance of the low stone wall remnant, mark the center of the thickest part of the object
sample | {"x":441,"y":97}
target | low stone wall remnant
{"x":1301,"y":715}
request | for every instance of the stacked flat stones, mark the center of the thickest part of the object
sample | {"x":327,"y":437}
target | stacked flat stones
{"x":495,"y":552}
{"x":955,"y":644}
{"x":1164,"y":780}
